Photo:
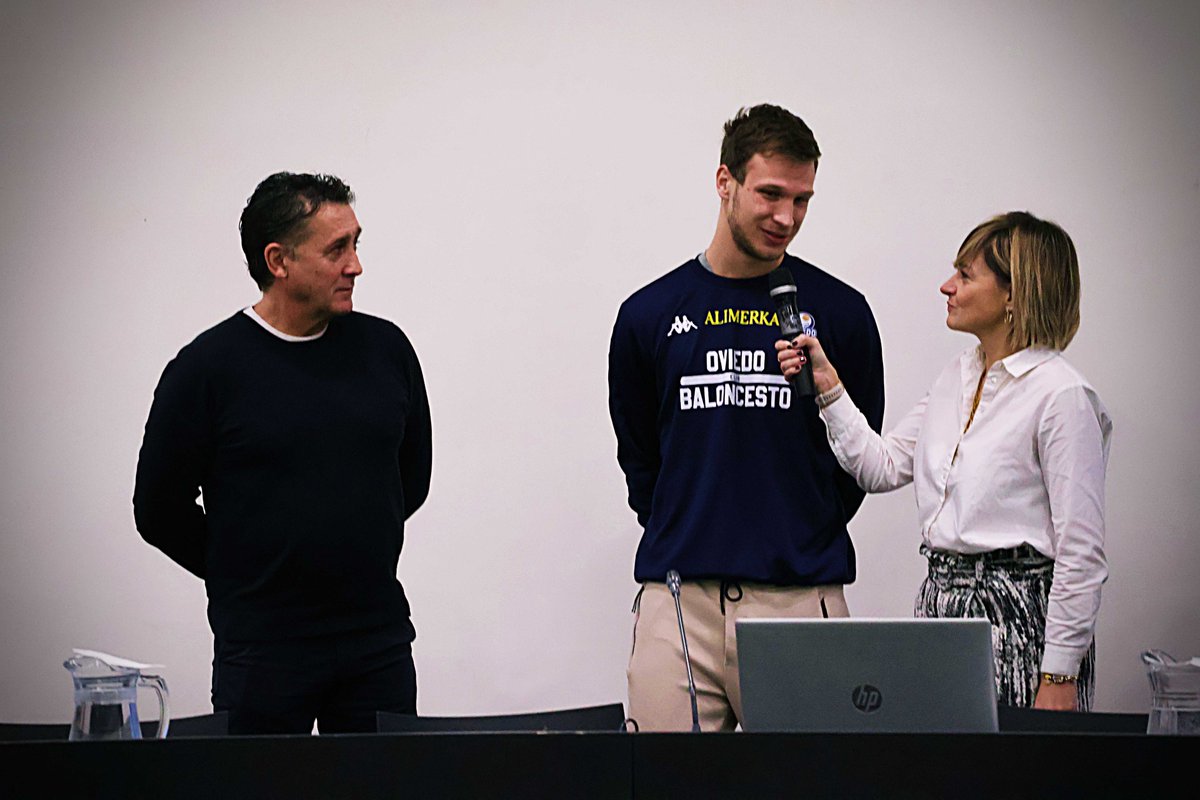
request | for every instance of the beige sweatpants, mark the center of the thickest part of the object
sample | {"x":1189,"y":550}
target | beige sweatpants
{"x":658,"y":688}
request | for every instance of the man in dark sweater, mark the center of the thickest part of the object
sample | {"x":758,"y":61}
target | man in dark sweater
{"x":728,"y":472}
{"x":304,"y":429}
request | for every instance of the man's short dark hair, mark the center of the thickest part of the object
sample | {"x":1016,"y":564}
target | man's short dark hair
{"x":279,"y":210}
{"x":767,"y":130}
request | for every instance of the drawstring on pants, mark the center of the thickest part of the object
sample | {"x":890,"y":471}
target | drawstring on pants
{"x":728,"y":588}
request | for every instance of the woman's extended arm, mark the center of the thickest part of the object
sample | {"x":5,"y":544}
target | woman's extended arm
{"x":878,"y":464}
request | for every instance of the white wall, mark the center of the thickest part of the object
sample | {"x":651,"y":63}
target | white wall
{"x":542,"y":161}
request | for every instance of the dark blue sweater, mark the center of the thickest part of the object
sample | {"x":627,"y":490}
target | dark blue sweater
{"x":730,"y":475}
{"x":310,"y":456}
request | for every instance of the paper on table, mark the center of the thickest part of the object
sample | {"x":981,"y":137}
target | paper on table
{"x":115,"y":661}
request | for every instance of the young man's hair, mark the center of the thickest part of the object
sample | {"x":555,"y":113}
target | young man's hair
{"x":1035,"y":260}
{"x":279,"y":211}
{"x":767,"y":130}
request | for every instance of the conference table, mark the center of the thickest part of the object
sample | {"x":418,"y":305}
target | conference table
{"x":608,"y":765}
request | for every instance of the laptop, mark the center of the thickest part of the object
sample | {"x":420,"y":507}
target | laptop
{"x":867,"y":675}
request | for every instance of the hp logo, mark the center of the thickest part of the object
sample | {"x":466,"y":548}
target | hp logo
{"x":866,"y":698}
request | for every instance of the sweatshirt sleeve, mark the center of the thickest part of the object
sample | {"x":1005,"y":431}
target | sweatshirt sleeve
{"x":416,"y":449}
{"x":175,"y":454}
{"x":633,"y":405}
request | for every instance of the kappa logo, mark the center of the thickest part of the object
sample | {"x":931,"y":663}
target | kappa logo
{"x":681,"y":325}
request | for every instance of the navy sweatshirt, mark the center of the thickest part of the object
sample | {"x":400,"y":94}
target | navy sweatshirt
{"x":310,"y":455}
{"x":730,"y":474}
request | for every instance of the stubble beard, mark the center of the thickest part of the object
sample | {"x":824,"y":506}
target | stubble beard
{"x":741,"y":239}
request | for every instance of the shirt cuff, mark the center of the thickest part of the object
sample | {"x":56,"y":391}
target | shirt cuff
{"x":840,"y":414}
{"x":1058,"y":660}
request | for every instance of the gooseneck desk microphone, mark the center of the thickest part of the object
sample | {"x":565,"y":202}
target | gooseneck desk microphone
{"x":673,"y":582}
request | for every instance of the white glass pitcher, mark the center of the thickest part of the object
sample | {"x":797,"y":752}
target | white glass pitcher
{"x":1175,"y":685}
{"x":106,"y":697}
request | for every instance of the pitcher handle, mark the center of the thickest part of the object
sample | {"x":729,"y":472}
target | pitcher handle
{"x":164,"y":708}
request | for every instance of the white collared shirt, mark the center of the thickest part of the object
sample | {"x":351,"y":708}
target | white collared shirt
{"x":1029,"y":470}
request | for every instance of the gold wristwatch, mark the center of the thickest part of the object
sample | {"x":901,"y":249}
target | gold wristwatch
{"x":1051,"y":678}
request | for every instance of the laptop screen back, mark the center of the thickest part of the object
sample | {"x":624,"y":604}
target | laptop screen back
{"x":867,"y":675}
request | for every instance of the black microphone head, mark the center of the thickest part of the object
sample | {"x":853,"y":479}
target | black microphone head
{"x":781,"y":280}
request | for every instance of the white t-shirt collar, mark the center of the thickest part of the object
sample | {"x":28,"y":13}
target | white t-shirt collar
{"x":287,"y":337}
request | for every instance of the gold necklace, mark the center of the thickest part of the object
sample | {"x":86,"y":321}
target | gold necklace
{"x":971,"y":418}
{"x":975,"y":402}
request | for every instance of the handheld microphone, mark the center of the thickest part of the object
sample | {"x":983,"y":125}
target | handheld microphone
{"x":791,"y":324}
{"x":673,"y":583}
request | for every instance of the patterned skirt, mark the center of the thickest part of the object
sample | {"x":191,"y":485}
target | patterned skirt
{"x":1011,"y":589}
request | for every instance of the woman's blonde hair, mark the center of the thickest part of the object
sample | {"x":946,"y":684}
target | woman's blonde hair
{"x":1035,"y":259}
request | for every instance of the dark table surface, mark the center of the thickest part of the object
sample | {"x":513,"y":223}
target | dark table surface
{"x":607,"y":765}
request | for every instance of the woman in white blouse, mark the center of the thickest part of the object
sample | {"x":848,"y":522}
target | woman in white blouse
{"x":1008,"y":453}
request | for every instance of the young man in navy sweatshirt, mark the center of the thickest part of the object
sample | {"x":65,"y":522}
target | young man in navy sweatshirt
{"x":728,"y":471}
